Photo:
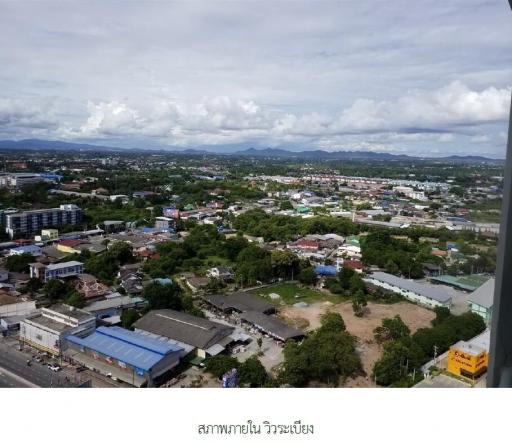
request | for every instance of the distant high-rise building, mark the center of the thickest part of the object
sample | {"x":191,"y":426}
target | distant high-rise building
{"x":32,"y":221}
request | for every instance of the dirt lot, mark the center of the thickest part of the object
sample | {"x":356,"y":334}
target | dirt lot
{"x":414,"y":316}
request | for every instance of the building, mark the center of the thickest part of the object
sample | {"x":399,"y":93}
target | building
{"x":429,"y":296}
{"x":49,"y":234}
{"x":224,"y":273}
{"x":239,"y":302}
{"x":51,"y":271}
{"x":468,"y":360}
{"x":114,"y":306}
{"x":196,"y":335}
{"x":124,"y":355}
{"x":16,"y":180}
{"x":271,"y":326}
{"x":13,"y":306}
{"x":46,"y":329}
{"x":30,"y":250}
{"x":32,"y":221}
{"x":481,"y":300}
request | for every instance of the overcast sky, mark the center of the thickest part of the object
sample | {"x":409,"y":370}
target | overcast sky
{"x":423,"y":78}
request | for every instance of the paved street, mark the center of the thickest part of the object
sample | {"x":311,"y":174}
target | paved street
{"x":15,"y":362}
{"x":8,"y":380}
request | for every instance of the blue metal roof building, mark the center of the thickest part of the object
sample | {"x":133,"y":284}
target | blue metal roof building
{"x":326,"y":270}
{"x":134,"y":358}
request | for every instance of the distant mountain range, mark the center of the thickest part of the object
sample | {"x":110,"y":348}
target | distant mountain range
{"x":36,"y":144}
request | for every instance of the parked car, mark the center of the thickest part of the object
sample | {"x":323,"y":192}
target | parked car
{"x":54,"y":367}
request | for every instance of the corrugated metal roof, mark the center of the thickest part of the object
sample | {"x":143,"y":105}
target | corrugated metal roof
{"x":483,"y":295}
{"x":126,"y":346}
{"x":406,"y":284}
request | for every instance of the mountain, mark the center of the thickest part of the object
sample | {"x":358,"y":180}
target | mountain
{"x":311,"y":155}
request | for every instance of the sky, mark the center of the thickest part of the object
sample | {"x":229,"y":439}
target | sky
{"x":426,"y":78}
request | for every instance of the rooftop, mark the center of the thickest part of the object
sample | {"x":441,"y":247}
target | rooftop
{"x":483,"y":295}
{"x":412,"y":286}
{"x":240,"y":301}
{"x":64,"y":265}
{"x":182,"y":327}
{"x":272,"y":325}
{"x":126,"y":346}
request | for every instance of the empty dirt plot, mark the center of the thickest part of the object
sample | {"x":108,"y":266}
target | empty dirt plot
{"x":414,"y":316}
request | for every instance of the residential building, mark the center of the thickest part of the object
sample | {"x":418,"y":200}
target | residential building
{"x":50,"y":234}
{"x":481,"y":300}
{"x":114,"y":306}
{"x":16,"y":180}
{"x":30,"y":222}
{"x":124,"y":355}
{"x":30,"y":250}
{"x":46,"y":329}
{"x":224,"y":273}
{"x":427,"y":295}
{"x":52,"y":271}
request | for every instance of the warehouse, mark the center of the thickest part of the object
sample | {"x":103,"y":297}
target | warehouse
{"x":239,"y":302}
{"x":125,"y":355}
{"x":481,"y":300}
{"x":194,"y":334}
{"x":271,"y":326}
{"x":423,"y":294}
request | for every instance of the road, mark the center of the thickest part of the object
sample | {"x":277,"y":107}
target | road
{"x":14,"y":364}
{"x":10,"y":380}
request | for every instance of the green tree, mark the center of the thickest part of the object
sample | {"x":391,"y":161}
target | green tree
{"x":391,"y":328}
{"x":252,"y":373}
{"x":285,"y":263}
{"x":76,"y":299}
{"x":164,"y":296}
{"x":19,"y":263}
{"x":128,"y":317}
{"x":55,"y":290}
{"x":308,"y":276}
{"x":214,"y":286}
{"x":220,"y":365}
{"x":359,"y":302}
{"x":332,"y":322}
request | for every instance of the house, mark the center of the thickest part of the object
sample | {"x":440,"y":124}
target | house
{"x":324,"y":270}
{"x":353,"y":264}
{"x":430,"y":269}
{"x":69,"y":245}
{"x":239,"y":302}
{"x":224,"y":273}
{"x":52,"y":271}
{"x":427,"y":295}
{"x":305,"y":244}
{"x":26,"y":250}
{"x":114,"y":306}
{"x":90,"y":287}
{"x":271,"y":326}
{"x":197,"y":335}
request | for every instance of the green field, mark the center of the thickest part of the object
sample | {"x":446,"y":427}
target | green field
{"x":292,"y":293}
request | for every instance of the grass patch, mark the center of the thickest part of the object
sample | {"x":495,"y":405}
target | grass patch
{"x":291,"y":293}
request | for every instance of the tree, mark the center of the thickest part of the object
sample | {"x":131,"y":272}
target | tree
{"x":164,"y":296}
{"x":252,"y":373}
{"x":393,"y":328}
{"x":128,"y":317}
{"x":33,"y":285}
{"x":358,"y":304}
{"x":308,"y":276}
{"x":259,"y":341}
{"x":220,"y":365}
{"x":76,"y":299}
{"x":122,"y":252}
{"x":55,"y":290}
{"x":333,"y":322}
{"x":442,"y":313}
{"x":356,"y":284}
{"x":327,"y":355}
{"x":19,"y":263}
{"x":214,"y":286}
{"x":286,"y":205}
{"x":345,"y":276}
{"x":285,"y":263}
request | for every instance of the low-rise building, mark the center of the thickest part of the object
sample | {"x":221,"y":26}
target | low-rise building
{"x":52,"y":271}
{"x":26,"y":250}
{"x":46,"y":329}
{"x":194,"y":334}
{"x":468,"y":360}
{"x":481,"y":300}
{"x":123,"y":354}
{"x":427,"y":295}
{"x":15,"y":306}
